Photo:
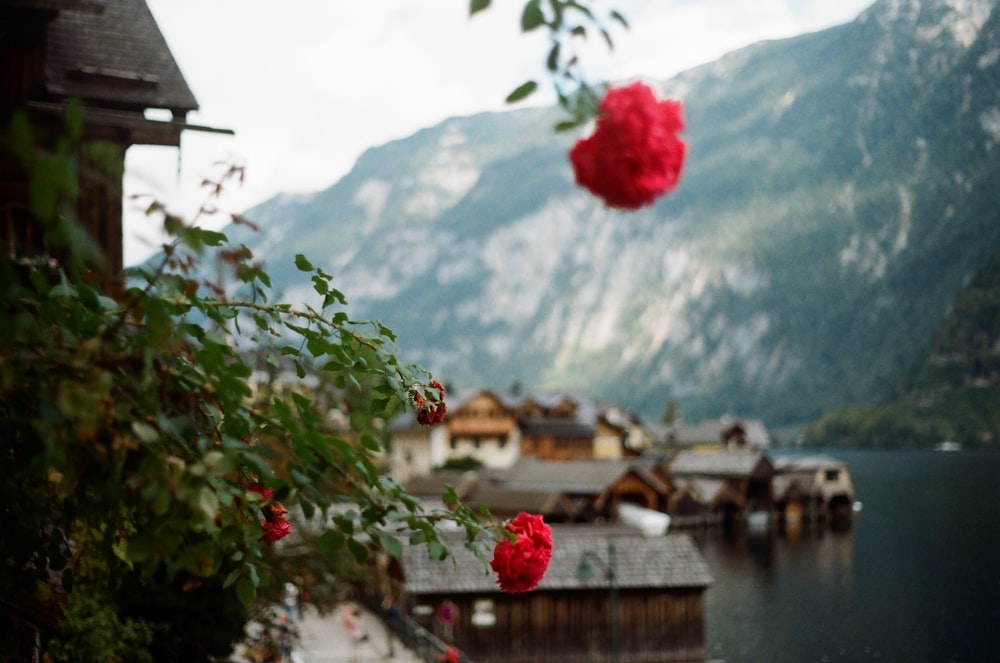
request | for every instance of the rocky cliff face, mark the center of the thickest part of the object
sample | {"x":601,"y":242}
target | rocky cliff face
{"x":839,"y":187}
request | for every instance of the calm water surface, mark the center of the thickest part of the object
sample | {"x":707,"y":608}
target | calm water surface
{"x":917,"y":577}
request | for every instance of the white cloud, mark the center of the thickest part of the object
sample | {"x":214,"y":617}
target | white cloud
{"x":310,"y":84}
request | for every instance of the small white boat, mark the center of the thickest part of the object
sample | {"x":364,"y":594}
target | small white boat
{"x":947,"y":445}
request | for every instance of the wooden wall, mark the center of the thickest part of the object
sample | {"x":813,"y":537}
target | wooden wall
{"x":655,"y":625}
{"x":22,"y":56}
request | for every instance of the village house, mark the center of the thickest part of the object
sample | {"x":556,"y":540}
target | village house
{"x":495,"y":430}
{"x":691,"y":488}
{"x":710,"y":434}
{"x":595,"y":486}
{"x":610,"y":593}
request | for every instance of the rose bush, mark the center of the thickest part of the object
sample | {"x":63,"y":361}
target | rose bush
{"x":634,"y":155}
{"x":520,"y":564}
{"x":134,"y":422}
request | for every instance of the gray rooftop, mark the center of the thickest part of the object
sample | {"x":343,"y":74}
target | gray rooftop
{"x":734,"y":463}
{"x":662,"y":562}
{"x":513,"y":500}
{"x":809,"y":463}
{"x":579,"y":476}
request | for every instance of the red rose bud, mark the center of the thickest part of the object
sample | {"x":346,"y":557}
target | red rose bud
{"x":634,"y":155}
{"x":429,"y":412}
{"x":521,"y":564}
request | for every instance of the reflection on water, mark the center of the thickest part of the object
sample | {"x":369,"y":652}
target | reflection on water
{"x":917,"y":577}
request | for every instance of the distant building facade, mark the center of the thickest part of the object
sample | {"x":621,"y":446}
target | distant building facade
{"x":496,"y":430}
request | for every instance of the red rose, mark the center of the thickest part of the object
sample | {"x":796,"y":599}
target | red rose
{"x":634,"y":155}
{"x":274,"y":524}
{"x":275,"y":530}
{"x":520,"y":564}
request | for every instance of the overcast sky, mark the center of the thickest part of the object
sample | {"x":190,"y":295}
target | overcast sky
{"x":308,"y":85}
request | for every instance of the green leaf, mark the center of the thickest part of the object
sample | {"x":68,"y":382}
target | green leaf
{"x":245,"y":590}
{"x":330,"y":541}
{"x":211,"y":237}
{"x":607,"y":39}
{"x":552,"y":62}
{"x":231,"y":578}
{"x":617,"y":16}
{"x":567,"y":125}
{"x":303,"y":264}
{"x":532,"y":16}
{"x":436,"y":551}
{"x":522,"y":91}
{"x":477,"y":6}
{"x":298,"y":478}
{"x":391,"y":545}
{"x":358,"y":550}
{"x":370,"y":442}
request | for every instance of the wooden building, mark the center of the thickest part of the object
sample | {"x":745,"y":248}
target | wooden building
{"x":711,"y":434}
{"x":112,"y":59}
{"x":484,"y":426}
{"x":594,"y":485}
{"x":108,"y":61}
{"x":643,"y":596}
{"x":730,"y":485}
{"x":812,"y":489}
{"x":496,"y":430}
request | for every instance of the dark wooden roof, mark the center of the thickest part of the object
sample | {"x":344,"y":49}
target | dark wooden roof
{"x":662,"y":562}
{"x":115,"y":58}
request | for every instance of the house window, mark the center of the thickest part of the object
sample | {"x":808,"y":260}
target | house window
{"x":477,"y":442}
{"x":832,"y":476}
{"x":453,"y":443}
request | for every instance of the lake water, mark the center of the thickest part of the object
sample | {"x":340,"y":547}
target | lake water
{"x":915,"y":579}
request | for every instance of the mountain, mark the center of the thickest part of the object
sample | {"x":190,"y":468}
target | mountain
{"x":840,"y":187}
{"x":950,"y":393}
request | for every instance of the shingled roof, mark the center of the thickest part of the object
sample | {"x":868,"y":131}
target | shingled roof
{"x":116,"y":58}
{"x":662,"y":562}
{"x":578,"y":476}
{"x":500,"y":499}
{"x":735,"y":463}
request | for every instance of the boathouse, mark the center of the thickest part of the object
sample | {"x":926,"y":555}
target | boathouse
{"x":812,"y":488}
{"x":730,"y":485}
{"x":594,"y":485}
{"x":610,"y":593}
